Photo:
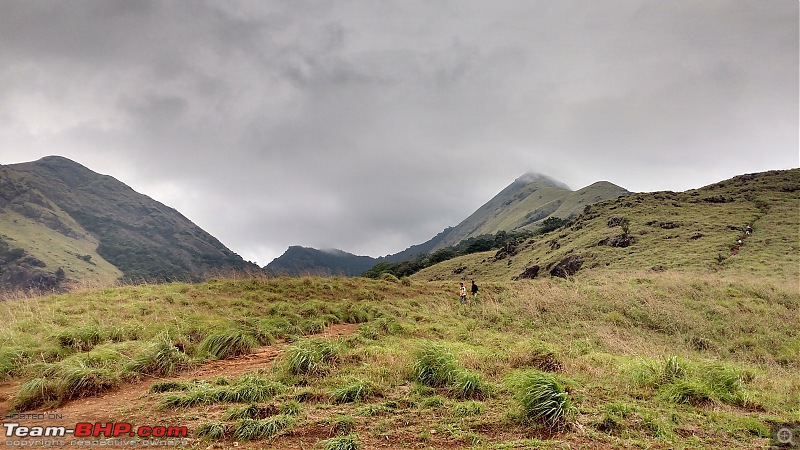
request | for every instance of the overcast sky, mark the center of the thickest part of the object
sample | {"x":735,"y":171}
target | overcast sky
{"x":372,"y":125}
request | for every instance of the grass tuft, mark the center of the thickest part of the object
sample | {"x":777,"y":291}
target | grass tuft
{"x":162,"y":358}
{"x":356,"y":390}
{"x":467,"y":384}
{"x":543,"y":398}
{"x":214,"y":430}
{"x":539,"y":355}
{"x":349,"y":442}
{"x":34,"y":393}
{"x":311,"y":356}
{"x":81,"y":339}
{"x":250,"y":429}
{"x":168,"y":386}
{"x":228,"y":343}
{"x":434,"y":365}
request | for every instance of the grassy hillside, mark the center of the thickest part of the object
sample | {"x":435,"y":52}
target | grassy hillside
{"x":696,"y":230}
{"x":36,"y":226}
{"x":648,"y":360}
{"x":58,"y":211}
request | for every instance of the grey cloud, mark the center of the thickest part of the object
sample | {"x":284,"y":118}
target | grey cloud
{"x":370,"y":126}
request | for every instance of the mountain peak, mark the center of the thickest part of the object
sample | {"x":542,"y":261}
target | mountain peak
{"x":535,"y":177}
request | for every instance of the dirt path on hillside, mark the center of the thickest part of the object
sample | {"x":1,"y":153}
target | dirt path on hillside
{"x":126,"y":403}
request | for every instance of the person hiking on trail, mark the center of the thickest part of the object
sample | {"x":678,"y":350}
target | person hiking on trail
{"x":462,"y":294}
{"x":474,"y":289}
{"x":749,"y":230}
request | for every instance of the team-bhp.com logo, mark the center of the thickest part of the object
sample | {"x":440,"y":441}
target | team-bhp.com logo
{"x":87,"y":430}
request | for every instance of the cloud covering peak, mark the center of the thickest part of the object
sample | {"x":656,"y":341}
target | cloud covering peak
{"x":371,"y":126}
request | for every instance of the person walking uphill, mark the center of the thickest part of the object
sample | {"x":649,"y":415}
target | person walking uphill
{"x":462,"y":294}
{"x":474,"y":289}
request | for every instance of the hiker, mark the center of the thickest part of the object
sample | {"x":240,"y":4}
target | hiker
{"x":749,"y":230}
{"x":462,"y":294}
{"x":739,"y":243}
{"x":474,"y":289}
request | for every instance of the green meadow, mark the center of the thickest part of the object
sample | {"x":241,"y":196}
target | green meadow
{"x":617,"y":359}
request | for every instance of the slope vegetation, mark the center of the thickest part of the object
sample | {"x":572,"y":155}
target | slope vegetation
{"x":644,"y":360}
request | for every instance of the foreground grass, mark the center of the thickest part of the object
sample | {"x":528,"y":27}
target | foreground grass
{"x":646,"y":359}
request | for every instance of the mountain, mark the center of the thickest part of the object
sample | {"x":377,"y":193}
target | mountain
{"x":523,"y":205}
{"x":61,"y":222}
{"x":695,"y":230}
{"x":300,"y":261}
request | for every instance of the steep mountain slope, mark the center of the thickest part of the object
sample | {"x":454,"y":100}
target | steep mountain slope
{"x":97,"y":229}
{"x":693,"y":230}
{"x":529,"y":198}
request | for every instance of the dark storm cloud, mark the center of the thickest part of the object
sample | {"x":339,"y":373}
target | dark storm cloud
{"x":370,"y":126}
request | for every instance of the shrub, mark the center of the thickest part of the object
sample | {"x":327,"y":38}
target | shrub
{"x":544,"y":399}
{"x":228,"y":343}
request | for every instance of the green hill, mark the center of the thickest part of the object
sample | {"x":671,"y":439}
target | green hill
{"x":603,"y":360}
{"x":57,"y":214}
{"x":693,"y":230}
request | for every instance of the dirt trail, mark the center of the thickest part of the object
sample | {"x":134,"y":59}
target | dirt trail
{"x":126,"y":403}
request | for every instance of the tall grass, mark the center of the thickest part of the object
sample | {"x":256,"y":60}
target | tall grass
{"x":162,"y":358}
{"x":349,"y":442}
{"x":311,"y":356}
{"x":355,"y":390}
{"x":434,"y":365}
{"x":543,"y":398}
{"x":245,"y":389}
{"x":228,"y":343}
{"x":250,"y":429}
